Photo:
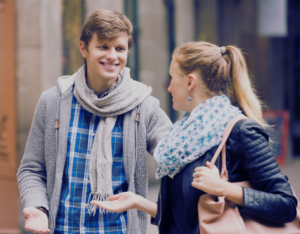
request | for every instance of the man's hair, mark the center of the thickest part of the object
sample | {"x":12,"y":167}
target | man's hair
{"x":107,"y":25}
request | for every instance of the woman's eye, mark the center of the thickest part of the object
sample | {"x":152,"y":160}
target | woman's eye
{"x":103,"y":47}
{"x":120,"y":49}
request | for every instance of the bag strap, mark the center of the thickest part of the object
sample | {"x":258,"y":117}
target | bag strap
{"x":222,"y":146}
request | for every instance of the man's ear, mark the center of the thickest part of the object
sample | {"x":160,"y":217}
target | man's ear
{"x":82,"y":49}
{"x":192,"y":79}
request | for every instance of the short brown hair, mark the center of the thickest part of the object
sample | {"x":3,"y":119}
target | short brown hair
{"x":107,"y":24}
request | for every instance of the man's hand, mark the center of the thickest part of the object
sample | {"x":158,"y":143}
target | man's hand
{"x":35,"y":220}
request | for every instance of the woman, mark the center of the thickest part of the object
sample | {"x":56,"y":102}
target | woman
{"x":212,"y":85}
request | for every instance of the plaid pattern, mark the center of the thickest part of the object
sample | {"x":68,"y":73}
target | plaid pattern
{"x":72,"y":216}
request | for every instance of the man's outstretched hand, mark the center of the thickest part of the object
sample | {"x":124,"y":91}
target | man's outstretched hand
{"x":36,"y":221}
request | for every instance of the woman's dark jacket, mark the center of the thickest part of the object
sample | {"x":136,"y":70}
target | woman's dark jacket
{"x":249,"y":158}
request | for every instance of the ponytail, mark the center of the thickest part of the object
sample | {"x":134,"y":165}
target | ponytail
{"x":243,"y":91}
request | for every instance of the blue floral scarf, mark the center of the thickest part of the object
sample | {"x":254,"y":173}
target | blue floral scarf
{"x":193,"y":134}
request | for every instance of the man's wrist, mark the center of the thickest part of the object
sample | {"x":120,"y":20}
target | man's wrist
{"x":44,"y":210}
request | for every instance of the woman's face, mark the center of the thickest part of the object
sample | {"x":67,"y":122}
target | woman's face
{"x":178,"y":87}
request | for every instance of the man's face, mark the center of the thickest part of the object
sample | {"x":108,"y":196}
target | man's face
{"x":105,"y":59}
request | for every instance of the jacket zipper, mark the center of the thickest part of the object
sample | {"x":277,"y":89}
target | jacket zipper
{"x":160,"y":208}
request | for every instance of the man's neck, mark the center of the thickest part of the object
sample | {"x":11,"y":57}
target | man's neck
{"x":97,"y":84}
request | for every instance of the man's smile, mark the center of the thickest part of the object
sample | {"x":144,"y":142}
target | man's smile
{"x":109,"y":66}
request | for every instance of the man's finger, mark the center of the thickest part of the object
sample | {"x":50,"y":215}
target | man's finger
{"x":26,"y":212}
{"x":45,"y":230}
{"x":28,"y":227}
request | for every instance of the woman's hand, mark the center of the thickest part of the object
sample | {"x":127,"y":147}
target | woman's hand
{"x":119,"y":203}
{"x":126,"y":201}
{"x":208,"y":180}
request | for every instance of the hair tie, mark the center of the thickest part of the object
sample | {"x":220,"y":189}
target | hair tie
{"x":223,"y":50}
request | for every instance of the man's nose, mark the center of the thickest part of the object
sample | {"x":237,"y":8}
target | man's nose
{"x":112,"y":54}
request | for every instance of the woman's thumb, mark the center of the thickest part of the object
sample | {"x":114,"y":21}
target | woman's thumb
{"x":209,"y":165}
{"x":114,"y":197}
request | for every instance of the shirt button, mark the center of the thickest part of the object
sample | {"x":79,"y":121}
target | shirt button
{"x":88,"y":181}
{"x":93,"y":134}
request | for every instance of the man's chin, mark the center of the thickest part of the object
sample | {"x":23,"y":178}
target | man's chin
{"x":110,"y":76}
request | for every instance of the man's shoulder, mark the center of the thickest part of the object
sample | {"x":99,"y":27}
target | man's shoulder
{"x":150,"y":102}
{"x":64,"y":86}
{"x":50,"y":95}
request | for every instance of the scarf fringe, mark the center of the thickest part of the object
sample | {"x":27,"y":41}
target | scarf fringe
{"x":97,"y":197}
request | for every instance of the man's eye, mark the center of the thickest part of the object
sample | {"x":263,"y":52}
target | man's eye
{"x":120,"y":49}
{"x":103,"y":47}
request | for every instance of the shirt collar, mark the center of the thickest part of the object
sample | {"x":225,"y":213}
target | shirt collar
{"x":113,"y":87}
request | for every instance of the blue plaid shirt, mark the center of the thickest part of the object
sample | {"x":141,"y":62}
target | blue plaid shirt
{"x":72,"y":216}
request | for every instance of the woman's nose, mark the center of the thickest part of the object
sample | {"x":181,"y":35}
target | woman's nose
{"x":169,"y":89}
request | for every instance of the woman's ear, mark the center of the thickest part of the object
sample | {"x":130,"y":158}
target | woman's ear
{"x":191,"y":82}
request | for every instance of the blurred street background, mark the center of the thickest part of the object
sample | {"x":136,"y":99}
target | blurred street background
{"x":39,"y":42}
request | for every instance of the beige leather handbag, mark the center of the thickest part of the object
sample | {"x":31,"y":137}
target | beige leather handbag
{"x":220,"y":216}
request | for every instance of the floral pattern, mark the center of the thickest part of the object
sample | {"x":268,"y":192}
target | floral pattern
{"x":193,"y":134}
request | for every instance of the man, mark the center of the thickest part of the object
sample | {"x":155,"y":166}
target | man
{"x":89,"y":138}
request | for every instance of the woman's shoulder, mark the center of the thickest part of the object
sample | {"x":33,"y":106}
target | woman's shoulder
{"x":248,"y":129}
{"x":254,"y":147}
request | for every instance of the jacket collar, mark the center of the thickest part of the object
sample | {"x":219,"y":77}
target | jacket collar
{"x":65,"y":82}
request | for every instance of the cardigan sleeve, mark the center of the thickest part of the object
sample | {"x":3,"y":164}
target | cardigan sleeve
{"x":272,"y":197}
{"x":158,"y":125}
{"x":32,"y":171}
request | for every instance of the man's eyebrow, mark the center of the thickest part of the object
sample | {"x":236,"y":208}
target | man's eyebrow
{"x":121,"y":45}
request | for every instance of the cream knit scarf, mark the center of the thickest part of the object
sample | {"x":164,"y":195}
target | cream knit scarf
{"x":127,"y":95}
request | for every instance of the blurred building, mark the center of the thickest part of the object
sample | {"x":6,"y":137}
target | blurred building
{"x":39,"y":42}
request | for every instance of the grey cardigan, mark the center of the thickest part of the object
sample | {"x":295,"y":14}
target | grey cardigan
{"x":41,"y":169}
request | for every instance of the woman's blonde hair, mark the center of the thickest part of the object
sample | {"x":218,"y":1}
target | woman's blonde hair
{"x":223,"y":71}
